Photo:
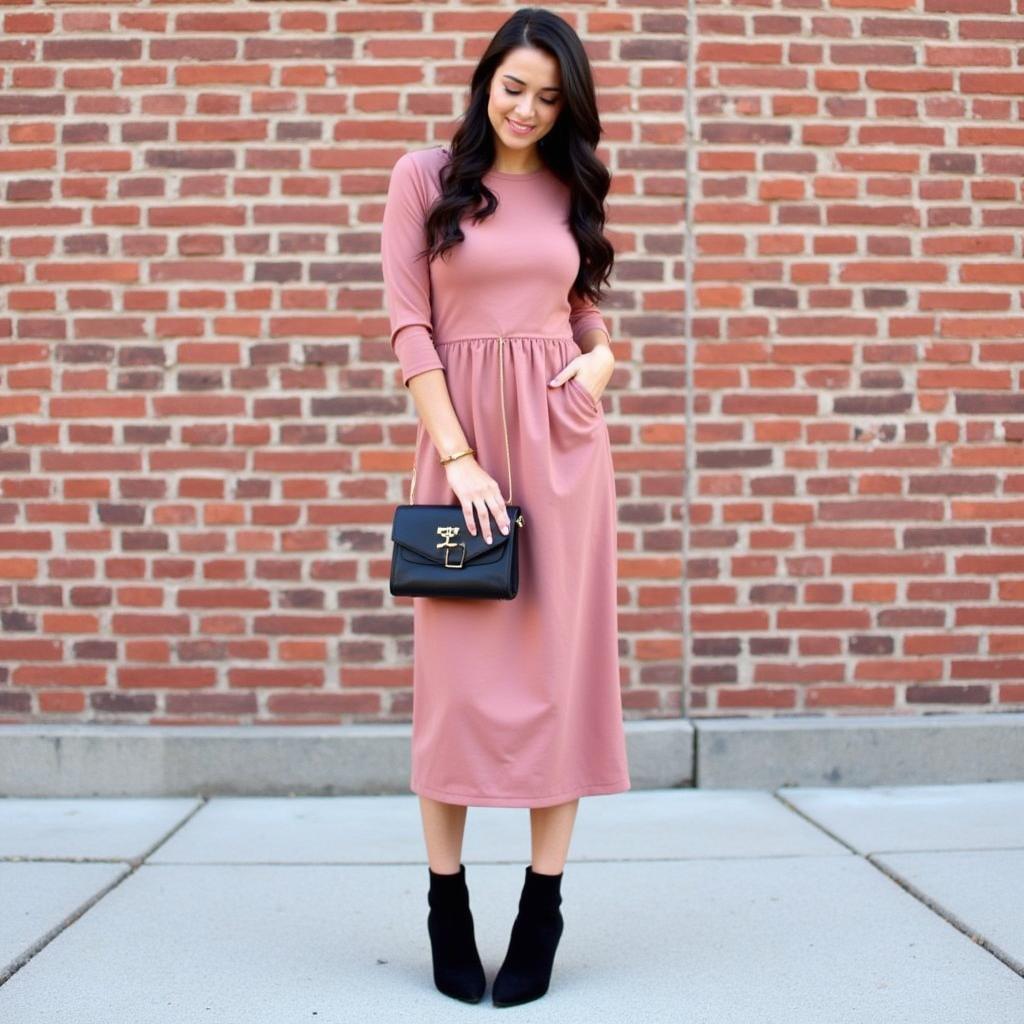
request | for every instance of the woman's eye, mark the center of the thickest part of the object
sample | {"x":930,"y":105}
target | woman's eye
{"x":550,"y":103}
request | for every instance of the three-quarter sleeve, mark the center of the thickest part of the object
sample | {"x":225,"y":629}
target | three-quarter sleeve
{"x":584,"y":316}
{"x":406,"y":274}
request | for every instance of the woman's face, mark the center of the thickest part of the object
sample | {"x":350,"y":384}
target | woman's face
{"x":525,"y":92}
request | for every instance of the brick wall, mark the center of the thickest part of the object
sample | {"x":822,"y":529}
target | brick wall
{"x":856,"y":511}
{"x":203,"y":433}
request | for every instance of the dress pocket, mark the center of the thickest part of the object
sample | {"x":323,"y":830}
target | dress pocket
{"x":584,"y":394}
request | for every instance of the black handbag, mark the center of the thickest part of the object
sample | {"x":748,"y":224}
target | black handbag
{"x":434,"y":555}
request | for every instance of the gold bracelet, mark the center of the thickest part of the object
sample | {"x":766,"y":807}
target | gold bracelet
{"x":457,"y":455}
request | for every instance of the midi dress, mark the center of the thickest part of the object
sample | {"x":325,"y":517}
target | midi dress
{"x":517,"y":702}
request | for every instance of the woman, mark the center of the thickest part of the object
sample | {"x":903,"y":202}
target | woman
{"x":516,"y":703}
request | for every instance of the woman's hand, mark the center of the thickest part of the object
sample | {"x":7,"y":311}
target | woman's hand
{"x":477,"y":489}
{"x":592,"y":371}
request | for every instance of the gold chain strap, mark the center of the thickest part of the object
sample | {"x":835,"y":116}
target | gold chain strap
{"x":508,"y":456}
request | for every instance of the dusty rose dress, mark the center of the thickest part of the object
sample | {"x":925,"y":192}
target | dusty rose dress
{"x":516,"y":703}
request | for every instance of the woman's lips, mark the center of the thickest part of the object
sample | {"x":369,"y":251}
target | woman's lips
{"x":518,"y":129}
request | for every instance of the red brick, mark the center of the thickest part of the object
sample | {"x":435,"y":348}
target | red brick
{"x":967,"y":56}
{"x":883,"y":5}
{"x":730,"y":52}
{"x":998,"y":7}
{"x":1005,"y":82}
{"x":909,"y":81}
{"x":902,"y":270}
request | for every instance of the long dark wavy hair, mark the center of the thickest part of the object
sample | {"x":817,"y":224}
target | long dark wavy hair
{"x":567,"y":150}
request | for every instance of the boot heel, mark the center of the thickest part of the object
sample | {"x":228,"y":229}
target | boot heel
{"x":458,"y":971}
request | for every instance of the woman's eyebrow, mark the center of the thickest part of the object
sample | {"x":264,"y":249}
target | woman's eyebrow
{"x":547,"y":88}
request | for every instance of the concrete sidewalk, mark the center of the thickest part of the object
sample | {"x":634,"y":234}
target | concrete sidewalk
{"x":826,"y":906}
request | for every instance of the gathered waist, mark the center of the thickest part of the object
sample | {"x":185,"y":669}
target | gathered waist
{"x":513,"y":336}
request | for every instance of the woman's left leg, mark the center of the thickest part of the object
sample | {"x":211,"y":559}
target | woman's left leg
{"x":526,"y":971}
{"x":550,"y":834}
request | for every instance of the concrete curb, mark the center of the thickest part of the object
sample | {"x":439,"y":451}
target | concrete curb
{"x":876,"y":750}
{"x":87,"y":759}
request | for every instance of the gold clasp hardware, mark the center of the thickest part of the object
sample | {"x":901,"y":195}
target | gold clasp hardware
{"x":448,"y":532}
{"x":519,"y":520}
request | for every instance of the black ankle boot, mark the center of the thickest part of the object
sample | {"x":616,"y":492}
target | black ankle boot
{"x":526,"y":970}
{"x":458,"y":971}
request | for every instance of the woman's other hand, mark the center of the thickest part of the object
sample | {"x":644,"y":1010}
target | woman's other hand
{"x":592,"y":371}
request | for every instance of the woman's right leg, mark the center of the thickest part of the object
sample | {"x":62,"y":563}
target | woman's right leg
{"x":458,"y":971}
{"x":443,"y":828}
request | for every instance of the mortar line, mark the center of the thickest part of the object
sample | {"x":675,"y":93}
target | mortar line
{"x":688,"y":448}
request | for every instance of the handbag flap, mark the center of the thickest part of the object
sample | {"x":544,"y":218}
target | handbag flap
{"x":437,"y":532}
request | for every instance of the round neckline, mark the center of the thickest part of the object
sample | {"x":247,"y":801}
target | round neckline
{"x":514,"y":175}
{"x":508,"y":175}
